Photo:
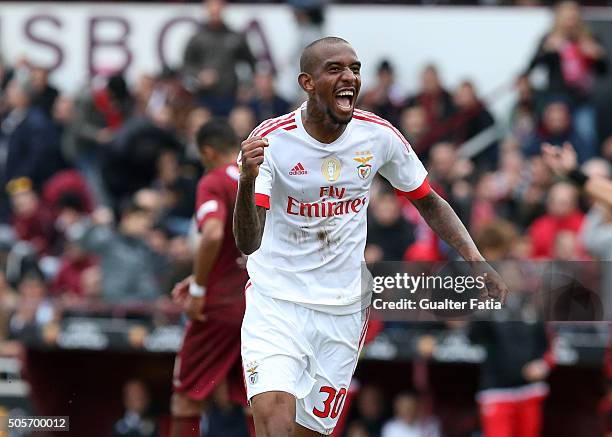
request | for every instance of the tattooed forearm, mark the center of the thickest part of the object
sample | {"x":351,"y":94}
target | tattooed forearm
{"x":249,"y":219}
{"x":444,"y":222}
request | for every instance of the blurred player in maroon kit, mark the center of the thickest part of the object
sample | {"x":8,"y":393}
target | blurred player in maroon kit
{"x":213,"y":297}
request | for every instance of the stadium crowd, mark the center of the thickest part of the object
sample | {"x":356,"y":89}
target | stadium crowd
{"x":100,"y":186}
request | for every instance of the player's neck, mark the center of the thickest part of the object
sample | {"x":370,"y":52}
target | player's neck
{"x":320,"y":126}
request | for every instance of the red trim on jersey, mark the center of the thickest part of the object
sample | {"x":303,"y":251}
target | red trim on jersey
{"x":272,"y":122}
{"x":269,"y":122}
{"x":374,"y":118}
{"x":293,"y":126}
{"x":418,"y":193}
{"x":387,"y":122}
{"x":248,"y":284}
{"x":368,"y":116}
{"x":262,"y":200}
{"x":276,"y":126}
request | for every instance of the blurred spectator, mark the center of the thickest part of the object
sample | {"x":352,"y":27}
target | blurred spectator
{"x":449,"y":174}
{"x":511,"y":181}
{"x":523,"y":117}
{"x":180,"y":252}
{"x":497,"y":240}
{"x":44,"y":95}
{"x":476,"y":116}
{"x":436,"y":101}
{"x":512,"y":379}
{"x":128,"y":264}
{"x":142,"y":92}
{"x":196,"y":118}
{"x":384,"y":98}
{"x":74,"y":260}
{"x":357,"y":429}
{"x":71,"y":183}
{"x":211,"y":58}
{"x":26,"y":134}
{"x":533,"y":196}
{"x":566,"y":247}
{"x":91,"y":282}
{"x":597,"y":238}
{"x":31,"y":220}
{"x":309,"y":17}
{"x":136,"y":421}
{"x":8,"y":303}
{"x":70,"y":277}
{"x":242,"y":119}
{"x":389,"y":234}
{"x":485,"y":205}
{"x":413,"y":124}
{"x":562,"y":214}
{"x":441,"y":162}
{"x":409,"y":420}
{"x":556,"y":128}
{"x":266,"y":103}
{"x":169,"y":94}
{"x":62,"y":116}
{"x":606,"y":149}
{"x":99,"y":114}
{"x":225,"y":418}
{"x":32,"y":309}
{"x":131,"y":162}
{"x":573,"y":56}
{"x":177,"y":193}
{"x":597,"y":168}
{"x":369,"y":409}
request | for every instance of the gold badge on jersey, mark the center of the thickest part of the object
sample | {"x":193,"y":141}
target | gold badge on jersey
{"x":330,"y":168}
{"x":364,"y":168}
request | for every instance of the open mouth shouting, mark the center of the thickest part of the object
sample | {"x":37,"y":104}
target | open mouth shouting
{"x":345,"y":98}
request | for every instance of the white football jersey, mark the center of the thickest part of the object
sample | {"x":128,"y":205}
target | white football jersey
{"x":317,"y":195}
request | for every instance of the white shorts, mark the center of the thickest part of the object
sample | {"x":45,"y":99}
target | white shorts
{"x":309,"y":354}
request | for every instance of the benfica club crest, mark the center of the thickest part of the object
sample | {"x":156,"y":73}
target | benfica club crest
{"x":364,"y":168}
{"x":251,"y":370}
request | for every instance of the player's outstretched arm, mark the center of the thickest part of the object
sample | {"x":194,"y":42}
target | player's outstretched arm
{"x":444,"y":222}
{"x":249,"y":219}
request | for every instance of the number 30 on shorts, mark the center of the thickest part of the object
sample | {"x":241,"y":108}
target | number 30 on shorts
{"x":332,"y":405}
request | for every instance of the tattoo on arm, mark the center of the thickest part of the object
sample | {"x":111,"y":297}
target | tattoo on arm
{"x":249,"y":219}
{"x":444,"y":222}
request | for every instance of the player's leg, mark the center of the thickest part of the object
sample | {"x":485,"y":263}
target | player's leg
{"x":186,"y":414}
{"x":276,"y":357}
{"x":338,"y":343}
{"x":300,"y":431}
{"x":209,"y":351}
{"x":274,"y":414}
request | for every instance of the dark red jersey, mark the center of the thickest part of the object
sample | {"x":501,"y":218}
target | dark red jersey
{"x":210,"y":353}
{"x":216,"y":198}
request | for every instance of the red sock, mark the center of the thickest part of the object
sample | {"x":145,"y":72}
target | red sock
{"x":185,"y":427}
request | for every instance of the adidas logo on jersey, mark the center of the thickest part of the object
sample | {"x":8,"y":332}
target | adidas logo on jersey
{"x":298,"y":170}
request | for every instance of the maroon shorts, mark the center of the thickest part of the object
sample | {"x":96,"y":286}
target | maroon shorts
{"x":209,"y":355}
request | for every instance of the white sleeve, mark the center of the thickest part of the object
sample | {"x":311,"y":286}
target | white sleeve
{"x":403,"y":168}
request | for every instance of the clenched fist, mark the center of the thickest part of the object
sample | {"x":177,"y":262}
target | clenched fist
{"x":252,"y":156}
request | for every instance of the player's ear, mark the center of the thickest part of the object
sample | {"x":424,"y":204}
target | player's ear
{"x":306,"y":82}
